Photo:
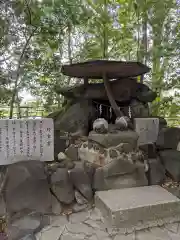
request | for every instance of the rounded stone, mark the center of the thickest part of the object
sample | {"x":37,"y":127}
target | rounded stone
{"x":122,"y":123}
{"x":100,"y":125}
{"x":61,"y":156}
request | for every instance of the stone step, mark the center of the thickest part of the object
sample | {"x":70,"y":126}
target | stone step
{"x":137,"y":208}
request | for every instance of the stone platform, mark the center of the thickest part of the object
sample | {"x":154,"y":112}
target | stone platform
{"x":137,"y":208}
{"x":89,"y":225}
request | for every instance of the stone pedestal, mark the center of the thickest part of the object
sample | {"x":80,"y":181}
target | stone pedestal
{"x":137,"y":208}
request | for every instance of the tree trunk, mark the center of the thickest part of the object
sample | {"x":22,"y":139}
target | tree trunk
{"x":105,"y":34}
{"x":18,"y":74}
{"x":18,"y":108}
{"x":144,"y":44}
{"x":69,"y":48}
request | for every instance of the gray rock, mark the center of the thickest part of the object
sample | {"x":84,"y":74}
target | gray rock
{"x":2,"y":206}
{"x":149,"y":150}
{"x":27,"y":188}
{"x":53,"y":233}
{"x":168,"y":138}
{"x":72,"y":152}
{"x":75,"y":118}
{"x":89,"y":169}
{"x":156,"y":171}
{"x":77,"y":228}
{"x":62,"y":186}
{"x":79,"y":198}
{"x":81,"y":181}
{"x":24,"y":227}
{"x":171,"y":161}
{"x":79,"y":208}
{"x":114,"y":139}
{"x":139,"y":109}
{"x":56,"y":206}
{"x":134,"y":179}
{"x":69,"y":164}
{"x":127,"y":147}
{"x":126,"y":181}
{"x":117,"y":167}
{"x":27,"y":222}
{"x":29,"y":237}
{"x":99,"y":180}
{"x":79,"y":217}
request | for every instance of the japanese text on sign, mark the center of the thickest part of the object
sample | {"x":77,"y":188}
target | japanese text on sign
{"x":30,"y":139}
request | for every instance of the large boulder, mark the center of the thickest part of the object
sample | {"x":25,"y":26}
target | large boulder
{"x":114,"y":139}
{"x":61,"y":186}
{"x":27,"y":188}
{"x":168,"y":138}
{"x":76,"y":118}
{"x":171,"y":161}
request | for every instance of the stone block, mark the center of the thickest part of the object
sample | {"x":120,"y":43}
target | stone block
{"x":147,"y":129}
{"x":114,"y":139}
{"x":137,"y":208}
{"x":128,"y":180}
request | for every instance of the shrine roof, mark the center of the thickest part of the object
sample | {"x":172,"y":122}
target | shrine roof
{"x":97,"y":68}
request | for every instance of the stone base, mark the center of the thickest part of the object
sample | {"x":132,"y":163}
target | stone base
{"x":137,"y":208}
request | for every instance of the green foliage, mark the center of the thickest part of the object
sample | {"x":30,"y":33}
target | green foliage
{"x":37,"y":37}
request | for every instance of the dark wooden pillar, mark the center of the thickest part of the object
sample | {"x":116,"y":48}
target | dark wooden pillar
{"x":112,"y":101}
